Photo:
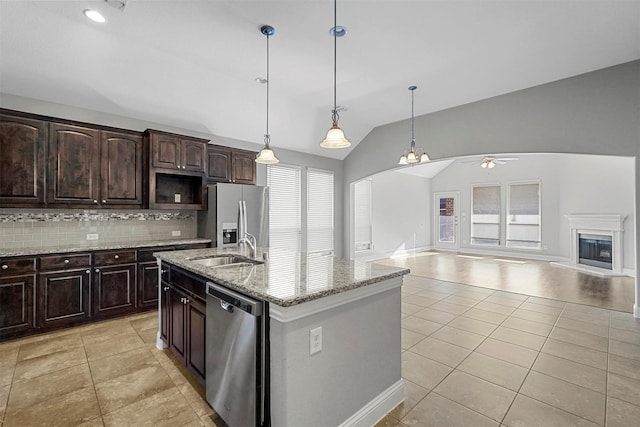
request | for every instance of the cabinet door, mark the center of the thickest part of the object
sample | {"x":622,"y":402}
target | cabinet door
{"x":177,"y":313}
{"x":74,"y":165}
{"x":165,"y":151}
{"x":121,"y":169}
{"x":22,"y":147}
{"x":147,"y":284}
{"x":114,"y":289}
{"x":195,"y":332}
{"x":63,"y":297}
{"x":194,"y":155}
{"x":218,"y":165}
{"x":16,"y":303}
{"x":243,"y":167}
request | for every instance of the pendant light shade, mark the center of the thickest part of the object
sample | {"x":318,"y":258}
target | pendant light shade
{"x":335,"y":136}
{"x":266,"y":155}
{"x":413,"y":156}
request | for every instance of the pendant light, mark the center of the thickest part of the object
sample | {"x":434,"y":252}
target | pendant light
{"x":335,"y":137}
{"x":266,"y":155}
{"x":413,"y":157}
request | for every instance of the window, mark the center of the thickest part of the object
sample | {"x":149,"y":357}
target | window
{"x":485,"y":215}
{"x":362,"y":208}
{"x":523,"y":218}
{"x":284,"y":207}
{"x":319,"y":211}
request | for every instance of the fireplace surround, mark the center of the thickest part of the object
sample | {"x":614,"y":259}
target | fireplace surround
{"x":597,"y":243}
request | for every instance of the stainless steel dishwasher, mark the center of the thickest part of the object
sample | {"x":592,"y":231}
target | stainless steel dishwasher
{"x":235,"y":356}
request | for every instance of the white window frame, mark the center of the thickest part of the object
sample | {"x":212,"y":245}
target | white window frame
{"x":327,"y":201}
{"x":500,"y":216}
{"x":298,"y":229}
{"x":509,"y":242}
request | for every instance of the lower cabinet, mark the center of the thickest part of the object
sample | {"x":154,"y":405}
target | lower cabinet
{"x":187,"y":330}
{"x":114,"y":283}
{"x":16,"y":300}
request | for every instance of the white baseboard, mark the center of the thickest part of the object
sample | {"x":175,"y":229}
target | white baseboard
{"x":636,"y":311}
{"x":380,"y":406}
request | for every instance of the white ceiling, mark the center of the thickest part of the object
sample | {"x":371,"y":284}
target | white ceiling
{"x":193,"y":64}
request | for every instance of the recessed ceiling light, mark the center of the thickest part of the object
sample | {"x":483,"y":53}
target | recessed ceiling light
{"x":94,"y":15}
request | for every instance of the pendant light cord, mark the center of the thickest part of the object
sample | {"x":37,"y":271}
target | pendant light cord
{"x":267,"y":138}
{"x":334,"y":114}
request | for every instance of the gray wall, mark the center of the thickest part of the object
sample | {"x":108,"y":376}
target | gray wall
{"x":400,"y":213}
{"x":286,"y":156}
{"x":593,"y":113}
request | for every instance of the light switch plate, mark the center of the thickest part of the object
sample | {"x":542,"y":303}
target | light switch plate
{"x":175,"y":233}
{"x":177,"y":198}
{"x":92,"y":236}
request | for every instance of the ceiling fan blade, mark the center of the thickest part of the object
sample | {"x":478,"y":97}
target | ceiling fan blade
{"x":506,"y":158}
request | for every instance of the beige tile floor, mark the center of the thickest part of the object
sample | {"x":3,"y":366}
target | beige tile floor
{"x":471,"y":356}
{"x":524,"y":276}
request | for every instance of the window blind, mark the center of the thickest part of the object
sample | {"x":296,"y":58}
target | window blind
{"x":362,"y":207}
{"x":485,"y":216}
{"x":319,"y":211}
{"x":523,"y":222}
{"x":284,"y":207}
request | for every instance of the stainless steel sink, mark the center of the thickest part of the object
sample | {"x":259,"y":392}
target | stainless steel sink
{"x":225,"y":261}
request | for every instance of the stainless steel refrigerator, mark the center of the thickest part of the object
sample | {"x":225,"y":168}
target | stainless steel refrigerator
{"x":234,"y":209}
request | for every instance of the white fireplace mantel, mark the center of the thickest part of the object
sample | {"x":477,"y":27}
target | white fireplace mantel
{"x":603,"y":224}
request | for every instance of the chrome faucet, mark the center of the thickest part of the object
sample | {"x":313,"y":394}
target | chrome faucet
{"x":250,"y":240}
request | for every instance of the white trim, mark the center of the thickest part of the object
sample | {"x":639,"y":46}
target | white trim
{"x":636,"y":311}
{"x":376,"y":409}
{"x":435,"y":208}
{"x":600,"y":272}
{"x":604,"y":224}
{"x":299,"y":311}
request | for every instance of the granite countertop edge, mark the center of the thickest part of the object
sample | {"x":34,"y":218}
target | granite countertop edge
{"x":98,"y":247}
{"x":259,"y":292}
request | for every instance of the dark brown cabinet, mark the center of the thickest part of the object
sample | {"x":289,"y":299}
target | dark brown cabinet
{"x":226,"y":164}
{"x":148,"y":277}
{"x":22,"y":161}
{"x":17,"y":281}
{"x":114,"y":283}
{"x":187,"y":330}
{"x":92,"y":167}
{"x":172,"y":151}
{"x":63,"y":290}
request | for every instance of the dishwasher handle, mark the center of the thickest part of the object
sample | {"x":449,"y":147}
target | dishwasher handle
{"x":226,"y":306}
{"x":234,"y":299}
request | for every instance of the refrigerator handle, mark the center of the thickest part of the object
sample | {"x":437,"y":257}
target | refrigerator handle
{"x":242,"y":219}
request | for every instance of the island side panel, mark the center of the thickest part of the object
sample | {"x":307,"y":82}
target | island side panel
{"x":358,"y":370}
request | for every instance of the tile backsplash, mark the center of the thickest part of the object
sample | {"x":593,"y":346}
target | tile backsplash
{"x":48,"y":228}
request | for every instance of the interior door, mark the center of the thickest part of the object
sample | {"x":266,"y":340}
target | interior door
{"x":447,"y":229}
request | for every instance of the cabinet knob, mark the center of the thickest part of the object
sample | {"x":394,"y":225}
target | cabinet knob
{"x":104,"y":201}
{"x":117,"y":257}
{"x":88,"y":271}
{"x":163,"y":271}
{"x":97,"y":270}
{"x":66,"y":261}
{"x":182,"y":300}
{"x":186,"y":300}
{"x":166,"y":288}
{"x":95,"y":202}
{"x":5,"y":266}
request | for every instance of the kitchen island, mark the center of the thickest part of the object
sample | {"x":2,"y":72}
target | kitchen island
{"x":355,"y":379}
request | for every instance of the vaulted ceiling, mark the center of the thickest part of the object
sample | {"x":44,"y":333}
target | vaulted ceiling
{"x":193,"y":64}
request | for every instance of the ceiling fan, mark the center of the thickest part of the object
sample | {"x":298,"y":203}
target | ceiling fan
{"x":490,"y":162}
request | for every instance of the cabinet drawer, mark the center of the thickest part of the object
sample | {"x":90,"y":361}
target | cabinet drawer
{"x":59,"y":262}
{"x":146,"y":255}
{"x":13,"y":266}
{"x":115,"y":257}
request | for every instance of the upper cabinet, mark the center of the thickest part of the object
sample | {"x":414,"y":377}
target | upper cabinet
{"x":230,"y":165}
{"x":172,"y":151}
{"x":88,"y":166}
{"x":22,"y":161}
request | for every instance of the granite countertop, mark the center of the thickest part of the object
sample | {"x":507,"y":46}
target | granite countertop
{"x":286,"y":278}
{"x":97,"y":247}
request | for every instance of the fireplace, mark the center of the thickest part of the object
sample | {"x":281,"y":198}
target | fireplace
{"x":595,"y":250}
{"x":596,"y":243}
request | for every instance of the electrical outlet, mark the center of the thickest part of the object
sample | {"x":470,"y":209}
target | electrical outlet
{"x":92,"y":236}
{"x":175,"y":233}
{"x":177,"y":198}
{"x":315,"y":340}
